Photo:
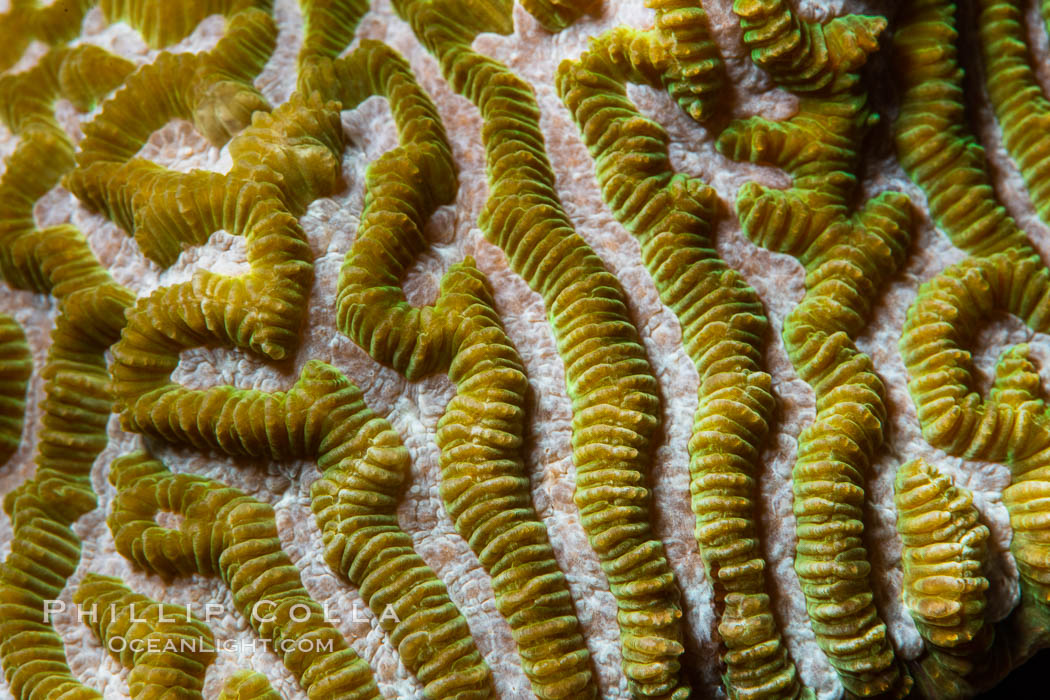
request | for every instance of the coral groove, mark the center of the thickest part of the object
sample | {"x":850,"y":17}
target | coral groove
{"x":75,"y":119}
{"x":608,"y":376}
{"x":363,"y":465}
{"x":229,"y":534}
{"x":1011,"y":424}
{"x":284,"y":160}
{"x":483,"y":480}
{"x":56,"y":261}
{"x":722,"y":328}
{"x":847,"y":255}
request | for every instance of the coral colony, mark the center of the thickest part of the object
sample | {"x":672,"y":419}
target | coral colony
{"x":111,"y":351}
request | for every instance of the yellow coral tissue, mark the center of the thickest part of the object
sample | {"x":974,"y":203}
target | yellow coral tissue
{"x":553,"y":350}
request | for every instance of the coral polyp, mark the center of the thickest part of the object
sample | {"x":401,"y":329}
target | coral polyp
{"x":626,"y":349}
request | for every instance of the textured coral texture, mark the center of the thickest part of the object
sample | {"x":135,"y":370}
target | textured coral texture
{"x":632,"y":349}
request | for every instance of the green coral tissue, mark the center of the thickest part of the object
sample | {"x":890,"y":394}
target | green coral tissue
{"x":551,"y":349}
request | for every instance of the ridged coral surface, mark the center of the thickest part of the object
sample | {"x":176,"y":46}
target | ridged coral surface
{"x":566,"y":349}
{"x":174,"y":649}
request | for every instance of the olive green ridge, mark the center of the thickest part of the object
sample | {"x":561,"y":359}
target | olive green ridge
{"x":248,"y":685}
{"x":89,"y":73}
{"x":723,"y":326}
{"x":484,"y":485}
{"x":940,"y":153}
{"x":807,"y":58}
{"x":214,"y":90}
{"x":55,"y":261}
{"x":1010,"y":425}
{"x":286,"y":157}
{"x":945,"y":579}
{"x":608,"y":377}
{"x":363,"y":465}
{"x":163,"y":645}
{"x":1005,"y":274}
{"x":1021,"y":109}
{"x":16,"y":365}
{"x":283,"y":161}
{"x":229,"y":534}
{"x":55,"y":24}
{"x":163,"y":23}
{"x":555,"y":15}
{"x":696,"y":74}
{"x":45,"y":550}
{"x":935,"y":146}
{"x":847,"y":255}
{"x":328,"y":27}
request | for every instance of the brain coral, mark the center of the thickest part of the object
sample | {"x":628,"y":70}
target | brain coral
{"x":626,"y":349}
